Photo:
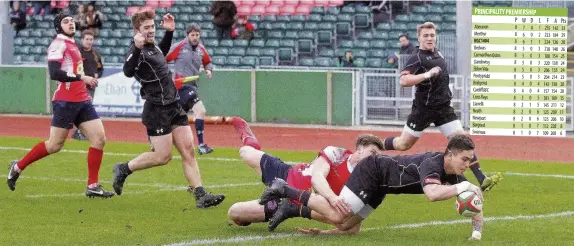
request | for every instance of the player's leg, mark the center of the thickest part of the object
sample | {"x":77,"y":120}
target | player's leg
{"x":183,"y":140}
{"x":64,"y":114}
{"x":157,"y":120}
{"x":90,"y":124}
{"x":449,"y":125}
{"x":252,"y":157}
{"x":245,"y":134}
{"x":417,"y":121}
{"x":245,"y":213}
{"x":199,"y":115}
{"x":78,"y":135}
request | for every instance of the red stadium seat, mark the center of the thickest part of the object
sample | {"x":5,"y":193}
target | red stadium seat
{"x":303,"y":10}
{"x":152,"y":3}
{"x":165,"y":3}
{"x":61,"y":4}
{"x":293,"y":3}
{"x":258,"y":10}
{"x":322,"y":3}
{"x":132,"y":10}
{"x":287,"y":10}
{"x":336,"y":2}
{"x":276,"y":2}
{"x":243,"y":9}
{"x":272,"y":10}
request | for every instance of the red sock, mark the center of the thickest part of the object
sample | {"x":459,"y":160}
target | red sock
{"x":94,"y":163}
{"x":246,"y":135}
{"x":38,"y":152}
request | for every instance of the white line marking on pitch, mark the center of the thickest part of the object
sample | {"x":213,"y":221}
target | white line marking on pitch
{"x":415,"y":225}
{"x":540,"y":175}
{"x":131,"y":154}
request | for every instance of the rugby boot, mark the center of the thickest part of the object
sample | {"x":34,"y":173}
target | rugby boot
{"x":12,"y":175}
{"x":120,"y":176}
{"x":490,"y":181}
{"x":285,"y":210}
{"x":204,"y":199}
{"x":98,"y":191}
{"x":204,"y":149}
{"x":246,"y":135}
{"x":275,"y":191}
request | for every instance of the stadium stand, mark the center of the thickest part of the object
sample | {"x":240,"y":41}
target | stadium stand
{"x":290,"y":32}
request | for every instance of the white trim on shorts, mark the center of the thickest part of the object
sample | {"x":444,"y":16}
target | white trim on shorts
{"x":412,"y":132}
{"x":451,"y":127}
{"x":357,"y":205}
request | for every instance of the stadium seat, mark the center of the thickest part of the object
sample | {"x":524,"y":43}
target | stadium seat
{"x":373,"y":62}
{"x":287,"y":10}
{"x":30,"y":41}
{"x":278,"y":26}
{"x":378,"y":53}
{"x":110,"y":42}
{"x":194,"y":18}
{"x":307,"y":62}
{"x":344,"y":17}
{"x":402,"y":18}
{"x":303,"y":10}
{"x":449,"y":18}
{"x":19,"y":41}
{"x":419,"y":10}
{"x":383,"y":27}
{"x":209,"y":51}
{"x":299,"y":18}
{"x":449,"y":26}
{"x":324,"y":37}
{"x":249,"y":61}
{"x":393,"y":44}
{"x":450,"y":10}
{"x":435,"y":9}
{"x":285,"y":55}
{"x":237,"y":51}
{"x":266,"y":61}
{"x":306,"y":34}
{"x":257,"y":43}
{"x":105,"y":51}
{"x":361,"y":20}
{"x":326,"y":26}
{"x":287,"y":43}
{"x":311,"y":26}
{"x":345,"y":44}
{"x":316,"y":18}
{"x":218,"y":60}
{"x":210,"y":42}
{"x":37,"y":50}
{"x":326,"y":52}
{"x":268,"y":52}
{"x":363,"y":44}
{"x":398,"y":26}
{"x":226,"y":43}
{"x":305,"y":46}
{"x":233,"y":61}
{"x":221,"y":51}
{"x":264,"y":26}
{"x":295,"y":26}
{"x":291,"y":34}
{"x":270,"y":18}
{"x":359,"y":62}
{"x":335,"y":11}
{"x":284,"y":18}
{"x":275,"y":34}
{"x":359,"y":53}
{"x":252,"y":52}
{"x":206,"y":25}
{"x":245,"y":10}
{"x":322,"y":62}
{"x":240,"y":43}
{"x":366,"y":35}
{"x":343,"y":29}
{"x":417,"y":19}
{"x":435,"y":18}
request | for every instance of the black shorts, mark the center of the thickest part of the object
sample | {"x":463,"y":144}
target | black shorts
{"x":421,"y":118}
{"x":273,"y":167}
{"x":188,"y":96}
{"x":160,"y":120}
{"x":368,"y":179}
{"x":68,"y":114}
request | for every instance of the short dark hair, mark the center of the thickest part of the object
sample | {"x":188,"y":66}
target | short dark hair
{"x":369,"y":139}
{"x":193,"y":28}
{"x":87,"y":32}
{"x":404,"y":35}
{"x":458,"y":143}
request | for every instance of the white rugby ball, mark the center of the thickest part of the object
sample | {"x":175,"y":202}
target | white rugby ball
{"x":468,"y":204}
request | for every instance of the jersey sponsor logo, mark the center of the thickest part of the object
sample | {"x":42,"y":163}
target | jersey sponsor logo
{"x":432,"y":181}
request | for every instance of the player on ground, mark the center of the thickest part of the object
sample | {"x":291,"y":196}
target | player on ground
{"x":165,"y":121}
{"x":427,"y":70}
{"x":189,"y":55}
{"x":326,"y":175}
{"x":437,"y":175}
{"x":71,"y":106}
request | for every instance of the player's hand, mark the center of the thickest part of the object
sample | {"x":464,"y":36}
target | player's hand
{"x":139,"y":40}
{"x":312,"y":231}
{"x":340,"y":205}
{"x":476,"y":236}
{"x":208,"y":73}
{"x":91,"y":81}
{"x":434,"y":71}
{"x":168,"y":22}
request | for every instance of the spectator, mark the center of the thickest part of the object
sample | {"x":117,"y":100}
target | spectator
{"x":17,"y":18}
{"x":80,"y":18}
{"x":92,"y":62}
{"x":39,"y":5}
{"x":347,"y":61}
{"x":94,"y":20}
{"x":242,"y":29}
{"x":406,"y":46}
{"x":223,"y":18}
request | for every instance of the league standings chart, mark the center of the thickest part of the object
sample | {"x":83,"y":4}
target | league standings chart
{"x":518,"y":71}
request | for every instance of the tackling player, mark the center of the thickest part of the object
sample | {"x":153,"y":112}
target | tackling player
{"x":189,"y":55}
{"x":326,"y":175}
{"x":437,"y":175}
{"x":71,"y":106}
{"x":427,"y":70}
{"x":166,"y":122}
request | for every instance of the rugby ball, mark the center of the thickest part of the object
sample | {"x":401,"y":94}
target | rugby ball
{"x":468,"y":204}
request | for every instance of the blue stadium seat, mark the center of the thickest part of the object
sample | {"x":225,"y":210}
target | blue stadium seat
{"x":291,"y":34}
{"x":218,"y":60}
{"x":326,"y":52}
{"x":373,"y":62}
{"x":322,"y":62}
{"x":307,"y":62}
{"x":237,"y":51}
{"x":249,"y":61}
{"x":233,"y":61}
{"x":252,"y":52}
{"x":266,"y":61}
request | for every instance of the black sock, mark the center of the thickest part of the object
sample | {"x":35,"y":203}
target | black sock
{"x":389,"y":143}
{"x":305,"y":212}
{"x":476,"y":170}
{"x":199,"y":123}
{"x":301,"y":196}
{"x":125,"y":168}
{"x":270,"y":208}
{"x":198,"y":191}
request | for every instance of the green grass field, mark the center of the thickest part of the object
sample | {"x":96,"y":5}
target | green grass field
{"x":49,"y":208}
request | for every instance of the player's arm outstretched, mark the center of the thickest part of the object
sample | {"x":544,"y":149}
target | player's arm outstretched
{"x":438,"y":192}
{"x":477,"y":222}
{"x":169,"y":25}
{"x":411,"y":73}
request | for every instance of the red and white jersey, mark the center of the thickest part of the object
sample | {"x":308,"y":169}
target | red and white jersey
{"x":64,"y":49}
{"x":340,"y":169}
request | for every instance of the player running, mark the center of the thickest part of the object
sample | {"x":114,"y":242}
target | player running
{"x":427,"y":70}
{"x":189,"y":55}
{"x":326,"y":174}
{"x":165,"y":121}
{"x":71,"y":106}
{"x":437,"y":175}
